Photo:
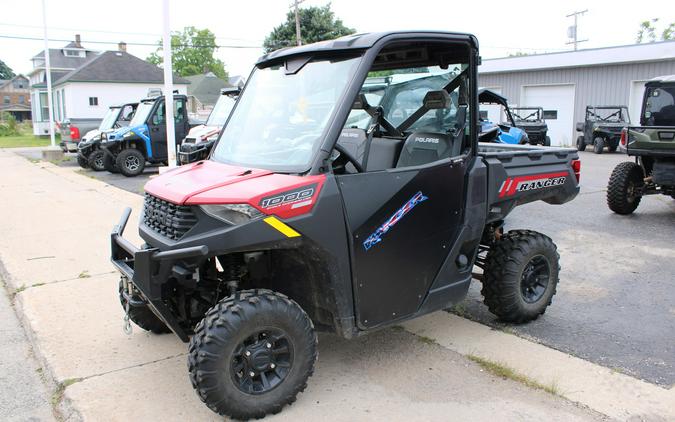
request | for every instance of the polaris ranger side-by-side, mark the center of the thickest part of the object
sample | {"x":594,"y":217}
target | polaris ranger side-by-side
{"x":531,"y":120}
{"x":89,"y":153}
{"x":300,"y":223}
{"x":503,"y":133}
{"x":602,"y":127}
{"x":653,"y":146}
{"x":144,"y":140}
{"x":199,"y":141}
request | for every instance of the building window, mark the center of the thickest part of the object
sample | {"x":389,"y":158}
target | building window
{"x":5,"y":99}
{"x":93,"y":101}
{"x":550,"y":114}
{"x":19,"y":84}
{"x":44,"y":107}
{"x":22,"y":99}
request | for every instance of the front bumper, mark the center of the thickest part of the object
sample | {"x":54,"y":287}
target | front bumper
{"x":149,"y":269}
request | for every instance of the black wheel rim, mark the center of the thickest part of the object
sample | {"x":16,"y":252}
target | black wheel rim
{"x":262,"y":361}
{"x":98,"y":161}
{"x":535,"y":279}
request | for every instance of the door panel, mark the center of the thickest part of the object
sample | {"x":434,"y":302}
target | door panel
{"x":402,"y":225}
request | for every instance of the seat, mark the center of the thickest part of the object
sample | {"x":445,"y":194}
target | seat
{"x":425,"y":147}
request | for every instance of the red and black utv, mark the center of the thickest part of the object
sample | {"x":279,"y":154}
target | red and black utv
{"x":320,"y":209}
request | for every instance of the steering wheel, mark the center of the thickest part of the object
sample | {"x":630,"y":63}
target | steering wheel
{"x":344,"y":158}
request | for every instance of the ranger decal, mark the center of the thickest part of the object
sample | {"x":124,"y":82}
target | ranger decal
{"x":513,"y":185}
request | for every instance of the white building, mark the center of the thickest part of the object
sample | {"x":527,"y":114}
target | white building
{"x":86,"y":82}
{"x":565,"y":83}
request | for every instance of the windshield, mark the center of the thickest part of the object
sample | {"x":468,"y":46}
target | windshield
{"x":660,"y":107}
{"x":109,"y":119}
{"x":220,"y":111}
{"x":526,"y":114}
{"x":609,"y":114}
{"x":142,"y":113}
{"x":280,"y":119}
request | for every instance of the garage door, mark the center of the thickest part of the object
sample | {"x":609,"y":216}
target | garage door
{"x":637,"y":90}
{"x":558,"y":104}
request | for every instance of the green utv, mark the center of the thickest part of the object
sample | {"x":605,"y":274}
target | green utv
{"x":653,"y":146}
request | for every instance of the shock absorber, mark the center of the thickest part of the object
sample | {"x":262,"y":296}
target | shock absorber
{"x":231,"y":271}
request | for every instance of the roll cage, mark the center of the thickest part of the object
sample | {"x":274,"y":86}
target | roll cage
{"x":387,"y":51}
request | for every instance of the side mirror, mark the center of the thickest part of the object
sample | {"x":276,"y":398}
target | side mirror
{"x":155,"y":120}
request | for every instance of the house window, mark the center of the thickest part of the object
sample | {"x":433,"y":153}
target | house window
{"x":550,"y":114}
{"x":93,"y":101}
{"x":73,"y":53}
{"x":19,"y":84}
{"x":22,"y":99}
{"x":5,"y":99}
{"x":44,"y":107}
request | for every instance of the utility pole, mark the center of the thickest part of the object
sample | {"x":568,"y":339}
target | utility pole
{"x":48,"y":71}
{"x":572,"y":31}
{"x":296,"y":3}
{"x":168,"y":87}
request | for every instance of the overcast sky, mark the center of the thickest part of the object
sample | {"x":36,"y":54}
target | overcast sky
{"x":502,"y":27}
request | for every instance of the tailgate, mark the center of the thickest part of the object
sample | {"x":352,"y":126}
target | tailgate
{"x":519,"y":174}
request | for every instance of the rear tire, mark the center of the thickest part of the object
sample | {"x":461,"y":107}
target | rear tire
{"x":256,"y":332}
{"x":131,"y":162}
{"x":82,"y":161}
{"x":581,"y":143}
{"x":598,"y":145}
{"x":97,"y":160}
{"x":143,"y":316}
{"x":613,"y":145}
{"x":626,"y":178}
{"x":547,"y":141}
{"x":109,"y":163}
{"x":521,"y":276}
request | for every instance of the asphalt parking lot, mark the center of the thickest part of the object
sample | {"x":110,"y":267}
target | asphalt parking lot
{"x":615,"y":304}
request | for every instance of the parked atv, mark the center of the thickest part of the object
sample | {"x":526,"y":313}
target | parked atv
{"x":198,"y":143}
{"x":299,"y":223}
{"x":89,"y":153}
{"x":653,"y":146}
{"x":531,"y":120}
{"x":602,"y":127}
{"x":129,"y":148}
{"x":504,"y":133}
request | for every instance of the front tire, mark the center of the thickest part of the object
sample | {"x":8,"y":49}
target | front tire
{"x":598,"y":145}
{"x":97,"y":160}
{"x":252,"y":354}
{"x":624,"y":188}
{"x":82,"y":161}
{"x":581,"y":143}
{"x":521,"y":276}
{"x":109,"y":163}
{"x":142,"y":315}
{"x":131,"y":162}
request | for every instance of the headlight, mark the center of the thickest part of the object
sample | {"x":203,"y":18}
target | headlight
{"x":128,"y":134}
{"x":232,"y":213}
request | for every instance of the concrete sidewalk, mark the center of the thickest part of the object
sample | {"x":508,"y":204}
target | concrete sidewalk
{"x":55,"y":247}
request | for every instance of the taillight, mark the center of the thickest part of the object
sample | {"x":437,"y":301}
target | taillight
{"x":624,"y":136}
{"x":74,"y":133}
{"x":576,"y":166}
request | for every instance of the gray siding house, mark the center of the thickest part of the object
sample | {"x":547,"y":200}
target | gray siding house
{"x":565,"y":83}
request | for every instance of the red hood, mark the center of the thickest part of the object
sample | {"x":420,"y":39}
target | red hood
{"x":186,"y":181}
{"x":210,"y":182}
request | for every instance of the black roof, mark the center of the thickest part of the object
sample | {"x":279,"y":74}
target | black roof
{"x":487,"y":96}
{"x":117,"y":66}
{"x":58,"y":60}
{"x":358,"y":42}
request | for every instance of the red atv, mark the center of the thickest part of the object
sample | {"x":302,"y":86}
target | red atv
{"x":340,"y":203}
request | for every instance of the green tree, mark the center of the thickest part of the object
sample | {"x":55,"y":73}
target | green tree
{"x":647,"y":31}
{"x":317,"y":23}
{"x":192,"y":53}
{"x":5,"y":71}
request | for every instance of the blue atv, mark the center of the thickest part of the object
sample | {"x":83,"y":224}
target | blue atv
{"x":499,"y":133}
{"x":129,"y":148}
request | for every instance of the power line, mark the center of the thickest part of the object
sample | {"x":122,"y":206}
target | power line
{"x":16,"y":37}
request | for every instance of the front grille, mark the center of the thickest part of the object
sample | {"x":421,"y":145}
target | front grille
{"x":169,"y":220}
